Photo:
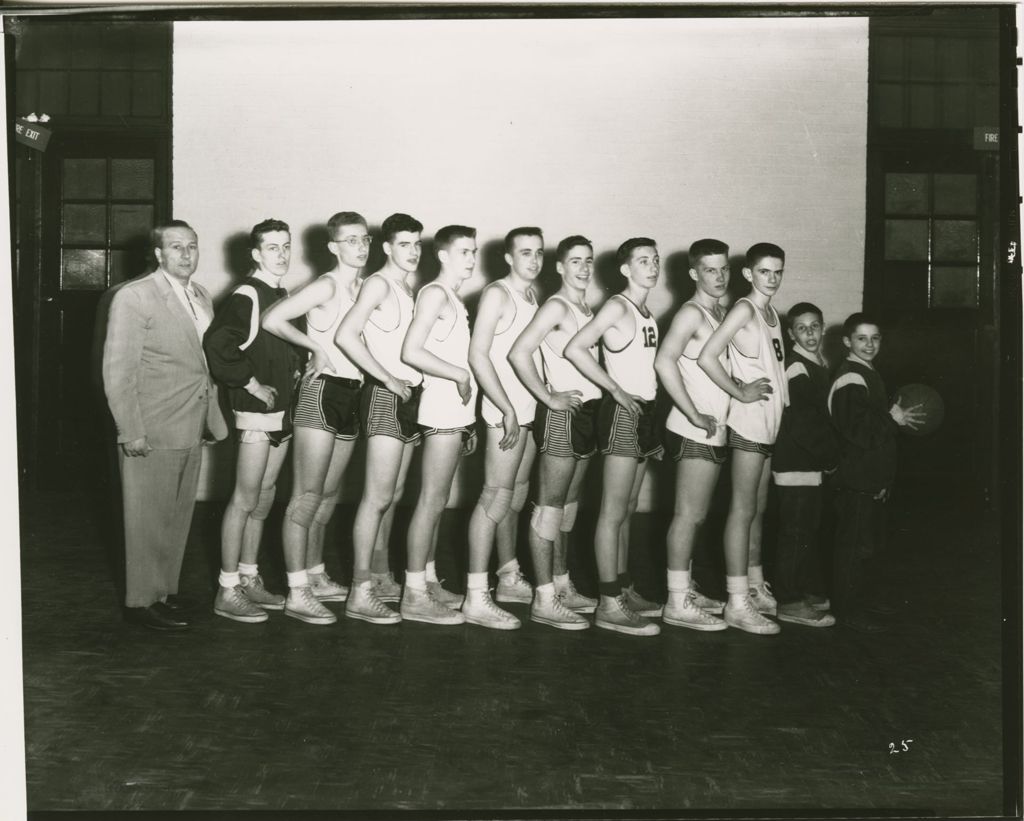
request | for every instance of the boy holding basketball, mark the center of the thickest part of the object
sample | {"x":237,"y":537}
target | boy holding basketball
{"x":805,"y":450}
{"x":866,"y":424}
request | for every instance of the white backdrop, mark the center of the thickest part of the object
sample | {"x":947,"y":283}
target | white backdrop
{"x":741,"y":129}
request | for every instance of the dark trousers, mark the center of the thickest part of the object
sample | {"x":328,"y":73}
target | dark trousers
{"x":860,"y":537}
{"x":796,"y":559}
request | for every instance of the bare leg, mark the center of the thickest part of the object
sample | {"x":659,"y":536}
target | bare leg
{"x":747,"y":473}
{"x":634,"y":496}
{"x":500,"y":470}
{"x":311,"y":457}
{"x":561,"y":556}
{"x":555,"y":476}
{"x":379,"y":562}
{"x":440,"y":459}
{"x":508,"y":528}
{"x":250,"y":468}
{"x":340,"y":457}
{"x":252,"y":533}
{"x":619,"y":477}
{"x":695,"y":485}
{"x":757,"y":522}
{"x":384,"y":458}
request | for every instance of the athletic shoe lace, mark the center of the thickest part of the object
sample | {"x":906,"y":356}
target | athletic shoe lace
{"x":489,"y":604}
{"x":560,"y":610}
{"x":623,"y":602}
{"x":691,"y":602}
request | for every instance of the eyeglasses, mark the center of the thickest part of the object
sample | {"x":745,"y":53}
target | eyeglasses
{"x":355,"y":242}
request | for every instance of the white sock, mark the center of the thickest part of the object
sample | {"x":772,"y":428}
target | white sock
{"x":545,"y":592}
{"x":476,"y":581}
{"x":561,"y":581}
{"x":678,"y":581}
{"x":316,"y":570}
{"x":755,"y":575}
{"x":297,"y":579}
{"x":248,"y":569}
{"x":228,"y":580}
{"x":511,"y":566}
{"x":415,"y":580}
{"x":737,"y":588}
{"x":431,"y":572}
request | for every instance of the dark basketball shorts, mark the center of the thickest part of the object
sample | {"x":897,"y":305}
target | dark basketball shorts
{"x":619,"y":433}
{"x":468,"y":435}
{"x":382,"y":413}
{"x":682,"y":448}
{"x":329,"y":403}
{"x":561,"y":433}
{"x":741,"y":443}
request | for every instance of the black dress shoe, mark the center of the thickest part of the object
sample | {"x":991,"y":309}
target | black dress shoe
{"x":179,"y":603}
{"x":153,"y":618}
{"x":173,"y":614}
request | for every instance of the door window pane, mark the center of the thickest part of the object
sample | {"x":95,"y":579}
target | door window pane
{"x":922,"y":106}
{"x":889,"y":105}
{"x":83,"y":270}
{"x":85,"y":223}
{"x":956,"y":194}
{"x":954,"y":287}
{"x":906,"y":240}
{"x":956,"y":240}
{"x":906,"y":193}
{"x":85,"y":179}
{"x":131,"y":179}
{"x":130,"y":222}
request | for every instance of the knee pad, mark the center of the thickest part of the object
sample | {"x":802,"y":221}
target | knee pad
{"x":495,"y":502}
{"x":302,"y":509}
{"x":325,"y":510}
{"x":522,"y":490}
{"x":545,"y":521}
{"x":569,"y":516}
{"x":266,"y":501}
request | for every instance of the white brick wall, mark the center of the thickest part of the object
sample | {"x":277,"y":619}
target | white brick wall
{"x":742,"y":129}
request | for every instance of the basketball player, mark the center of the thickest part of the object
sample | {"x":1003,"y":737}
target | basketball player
{"x":625,"y":427}
{"x":564,"y":432}
{"x":437,"y":344}
{"x":695,"y":429}
{"x":325,"y":419}
{"x":371,"y":335}
{"x":259,"y":371}
{"x":806,"y":448}
{"x":752,"y":332}
{"x":505,"y":308}
{"x":866,"y":424}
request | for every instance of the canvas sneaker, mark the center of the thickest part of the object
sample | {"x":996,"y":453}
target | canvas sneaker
{"x":747,"y":618}
{"x":233,"y":604}
{"x":638,"y":604}
{"x":764,"y":601}
{"x":326,"y":589}
{"x":513,"y":587}
{"x":420,"y":605}
{"x":385,"y":587}
{"x":620,"y":618}
{"x":447,"y":598}
{"x":554,"y":612}
{"x":254,"y":591}
{"x":683,"y":611}
{"x":800,"y":612}
{"x":574,"y":600}
{"x":364,"y":605}
{"x":480,"y":609}
{"x":304,"y":606}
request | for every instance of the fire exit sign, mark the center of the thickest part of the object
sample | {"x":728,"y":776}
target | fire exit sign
{"x":986,"y":139}
{"x":31,"y":134}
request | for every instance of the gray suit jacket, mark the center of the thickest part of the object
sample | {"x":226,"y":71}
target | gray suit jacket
{"x":155,"y":374}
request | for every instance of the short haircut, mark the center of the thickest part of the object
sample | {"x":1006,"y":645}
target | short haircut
{"x":524,"y":231}
{"x":859,"y":318}
{"x":343,"y":218}
{"x":804,"y":308}
{"x":567,"y":244}
{"x":397,"y":223}
{"x":157,"y":234}
{"x":447,"y":235}
{"x":260,"y":229}
{"x":760,"y":250}
{"x":706,"y":248}
{"x":625,"y":252}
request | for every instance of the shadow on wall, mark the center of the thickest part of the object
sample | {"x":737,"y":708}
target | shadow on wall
{"x":833,"y":347}
{"x":237,"y":258}
{"x":490,"y":263}
{"x":738,"y":284}
{"x":315,"y":253}
{"x":607,"y":276}
{"x":675,"y":272}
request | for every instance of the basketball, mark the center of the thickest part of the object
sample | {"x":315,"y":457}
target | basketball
{"x":932,"y":407}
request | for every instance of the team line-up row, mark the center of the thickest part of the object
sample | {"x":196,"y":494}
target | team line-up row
{"x":347,"y":356}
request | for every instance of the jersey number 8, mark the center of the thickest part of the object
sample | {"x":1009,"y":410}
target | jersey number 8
{"x":778,"y":350}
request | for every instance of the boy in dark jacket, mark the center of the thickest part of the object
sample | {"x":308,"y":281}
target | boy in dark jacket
{"x":866,"y":423}
{"x":259,"y":371}
{"x":806,"y":448}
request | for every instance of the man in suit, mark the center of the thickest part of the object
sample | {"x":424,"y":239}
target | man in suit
{"x":164,"y":403}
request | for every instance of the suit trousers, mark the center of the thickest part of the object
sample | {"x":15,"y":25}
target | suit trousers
{"x":799,"y":525}
{"x":159,"y":497}
{"x":860,"y":538}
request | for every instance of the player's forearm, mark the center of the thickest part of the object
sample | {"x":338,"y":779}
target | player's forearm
{"x":490,"y":384}
{"x":672,"y":382}
{"x":525,"y":368}
{"x":717,"y":374}
{"x":587,"y":365}
{"x":425,"y":362}
{"x":352,"y":345}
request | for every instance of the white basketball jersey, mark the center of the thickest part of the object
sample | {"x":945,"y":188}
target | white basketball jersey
{"x":759,"y":421}
{"x":322,"y":325}
{"x":706,"y":396}
{"x":632,"y":367}
{"x":385,"y":343}
{"x":522,"y":400}
{"x":559,"y":373}
{"x":440,"y":403}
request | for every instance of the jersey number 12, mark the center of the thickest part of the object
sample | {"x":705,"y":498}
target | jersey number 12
{"x":650,"y":337}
